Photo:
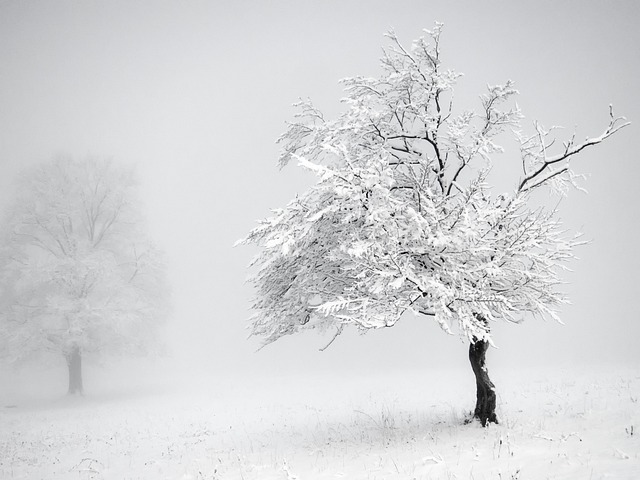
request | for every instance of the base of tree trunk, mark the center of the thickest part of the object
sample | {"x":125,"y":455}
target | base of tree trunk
{"x":74,"y":362}
{"x":485,"y":410}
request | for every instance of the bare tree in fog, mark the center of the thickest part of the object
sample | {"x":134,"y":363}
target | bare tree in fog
{"x":402,"y":218}
{"x":78,"y":273}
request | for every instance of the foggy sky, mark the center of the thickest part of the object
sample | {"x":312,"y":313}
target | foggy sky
{"x":195,"y":93}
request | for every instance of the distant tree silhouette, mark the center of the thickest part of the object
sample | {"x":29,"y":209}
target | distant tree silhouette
{"x":78,"y":273}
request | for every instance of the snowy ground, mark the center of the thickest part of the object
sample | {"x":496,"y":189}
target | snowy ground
{"x":561,"y":424}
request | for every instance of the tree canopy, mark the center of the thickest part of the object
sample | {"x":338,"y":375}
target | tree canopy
{"x":78,"y":270}
{"x":402,"y":217}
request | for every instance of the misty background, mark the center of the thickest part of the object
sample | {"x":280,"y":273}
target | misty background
{"x":195,"y":93}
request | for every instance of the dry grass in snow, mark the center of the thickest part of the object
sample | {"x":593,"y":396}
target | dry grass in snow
{"x":386,"y":426}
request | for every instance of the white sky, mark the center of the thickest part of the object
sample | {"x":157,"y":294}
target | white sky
{"x":195,"y":94}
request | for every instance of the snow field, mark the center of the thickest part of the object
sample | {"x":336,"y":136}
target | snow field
{"x":378,"y":426}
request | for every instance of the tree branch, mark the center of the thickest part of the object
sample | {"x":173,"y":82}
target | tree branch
{"x":536,"y":178}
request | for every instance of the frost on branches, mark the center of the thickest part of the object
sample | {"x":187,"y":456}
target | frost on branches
{"x":77,"y":272}
{"x":402,"y":219}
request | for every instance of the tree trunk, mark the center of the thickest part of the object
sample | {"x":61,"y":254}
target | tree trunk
{"x":485,"y":389}
{"x":74,"y":362}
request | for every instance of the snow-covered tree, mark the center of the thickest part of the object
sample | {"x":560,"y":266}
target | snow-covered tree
{"x":78,"y":273}
{"x":402,"y":218}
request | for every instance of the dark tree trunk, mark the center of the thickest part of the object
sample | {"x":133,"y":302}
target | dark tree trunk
{"x":74,"y":362}
{"x":485,"y":389}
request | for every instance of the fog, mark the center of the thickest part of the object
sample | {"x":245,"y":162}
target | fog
{"x":195,"y":93}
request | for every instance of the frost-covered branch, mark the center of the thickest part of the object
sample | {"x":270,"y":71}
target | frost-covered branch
{"x":540,"y":167}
